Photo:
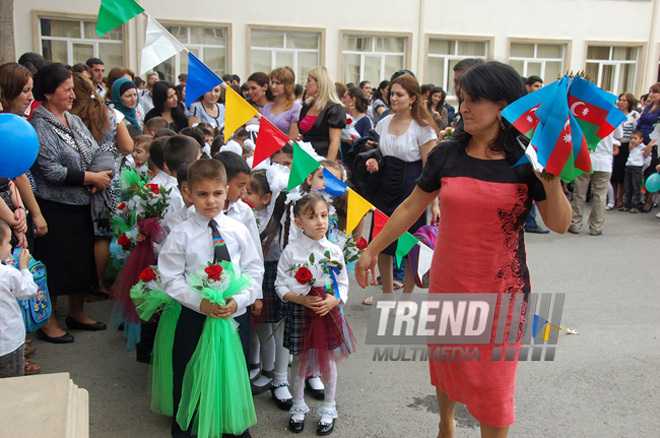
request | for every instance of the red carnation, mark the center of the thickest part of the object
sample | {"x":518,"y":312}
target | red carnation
{"x":121,"y":206}
{"x":147,"y":275}
{"x":124,"y":241}
{"x":361,"y":244}
{"x":303,"y":275}
{"x":154,"y":188}
{"x":349,"y":121}
{"x":138,"y":164}
{"x":214,"y":272}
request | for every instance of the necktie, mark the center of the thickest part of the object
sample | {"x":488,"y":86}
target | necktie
{"x":220,"y":251}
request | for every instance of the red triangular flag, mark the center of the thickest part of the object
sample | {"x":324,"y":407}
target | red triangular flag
{"x":269,"y":141}
{"x":380,"y":219}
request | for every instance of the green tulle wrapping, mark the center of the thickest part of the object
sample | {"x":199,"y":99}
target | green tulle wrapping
{"x":148,"y":301}
{"x":216,"y":385}
{"x":162,"y":375}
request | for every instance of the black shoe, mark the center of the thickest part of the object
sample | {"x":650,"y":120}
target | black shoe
{"x":537,"y":229}
{"x":245,"y":434}
{"x":259,"y":389}
{"x":296,"y":426}
{"x":318,"y":394}
{"x":77,"y":325}
{"x":325,"y":428}
{"x":64,"y":339}
{"x":284,"y":404}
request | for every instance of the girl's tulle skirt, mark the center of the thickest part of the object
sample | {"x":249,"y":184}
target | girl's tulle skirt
{"x":324,"y":339}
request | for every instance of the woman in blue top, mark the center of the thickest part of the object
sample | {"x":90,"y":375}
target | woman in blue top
{"x":207,"y":110}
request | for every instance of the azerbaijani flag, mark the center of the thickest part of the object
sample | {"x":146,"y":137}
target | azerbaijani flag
{"x":553,"y":137}
{"x":522,"y":113}
{"x":594,"y":110}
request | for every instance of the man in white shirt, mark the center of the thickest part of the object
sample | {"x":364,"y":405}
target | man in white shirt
{"x":98,"y":70}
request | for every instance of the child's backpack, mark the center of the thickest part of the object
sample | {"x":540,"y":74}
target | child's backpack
{"x":427,"y":235}
{"x":36,"y":311}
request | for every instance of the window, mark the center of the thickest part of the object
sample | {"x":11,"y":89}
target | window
{"x":372,"y":58}
{"x":271,"y":49}
{"x":73,"y":41}
{"x":612,"y":68}
{"x":444,"y":54}
{"x":544,"y":60}
{"x":208,"y":44}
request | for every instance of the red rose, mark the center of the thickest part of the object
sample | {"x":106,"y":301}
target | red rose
{"x":361,"y":244}
{"x":121,"y":206}
{"x":138,"y":164}
{"x":124,"y":241}
{"x":214,"y":272}
{"x":147,"y":275}
{"x":303,"y":275}
{"x":154,"y":188}
{"x":349,"y":121}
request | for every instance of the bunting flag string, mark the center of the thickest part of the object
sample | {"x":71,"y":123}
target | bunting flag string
{"x":269,"y":141}
{"x":356,"y":209}
{"x":200,"y":79}
{"x":302,"y":165}
{"x":159,"y":45}
{"x":237,"y":112}
{"x":114,"y":13}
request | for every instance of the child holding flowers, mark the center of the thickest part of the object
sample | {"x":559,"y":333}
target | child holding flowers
{"x":312,"y":278}
{"x":211,"y":387}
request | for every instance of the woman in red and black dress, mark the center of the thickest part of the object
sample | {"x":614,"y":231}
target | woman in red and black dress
{"x":484,"y":202}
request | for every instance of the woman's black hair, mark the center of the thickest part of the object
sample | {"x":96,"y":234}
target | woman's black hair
{"x":48,"y":79}
{"x":361,"y":103}
{"x":160,"y":94}
{"x":495,"y":81}
{"x":442,"y":101}
{"x":378,"y":94}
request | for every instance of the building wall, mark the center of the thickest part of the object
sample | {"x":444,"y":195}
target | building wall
{"x":573,"y":23}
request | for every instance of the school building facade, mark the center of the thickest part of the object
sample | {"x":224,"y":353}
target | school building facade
{"x":616,"y":42}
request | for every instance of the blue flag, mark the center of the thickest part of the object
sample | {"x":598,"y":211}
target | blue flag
{"x":333,"y":186}
{"x":200,"y":79}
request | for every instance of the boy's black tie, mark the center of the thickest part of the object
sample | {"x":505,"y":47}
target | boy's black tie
{"x":220,"y":251}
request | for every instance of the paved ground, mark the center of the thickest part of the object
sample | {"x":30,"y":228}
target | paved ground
{"x":604,"y":382}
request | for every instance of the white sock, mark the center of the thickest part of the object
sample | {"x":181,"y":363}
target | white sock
{"x":262,"y":381}
{"x":282,"y":392}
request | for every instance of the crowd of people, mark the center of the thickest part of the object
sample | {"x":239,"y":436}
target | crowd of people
{"x":97,"y":132}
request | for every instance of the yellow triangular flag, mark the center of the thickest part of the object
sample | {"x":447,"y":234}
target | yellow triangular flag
{"x":237,"y":112}
{"x":357,"y":208}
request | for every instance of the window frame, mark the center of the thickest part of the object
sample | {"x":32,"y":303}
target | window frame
{"x":407,"y":53}
{"x":37,"y":16}
{"x":565,"y":60}
{"x":189,"y":24}
{"x":641,"y":47}
{"x":284,"y":29}
{"x":448,"y":87}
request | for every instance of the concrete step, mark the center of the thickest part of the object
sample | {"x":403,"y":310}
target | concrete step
{"x":44,"y":405}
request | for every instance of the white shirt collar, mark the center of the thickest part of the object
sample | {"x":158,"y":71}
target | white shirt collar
{"x":307,"y":243}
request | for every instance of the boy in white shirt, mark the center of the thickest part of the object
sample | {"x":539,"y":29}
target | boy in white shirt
{"x":14,"y":285}
{"x":632,"y":197}
{"x":188,"y":249}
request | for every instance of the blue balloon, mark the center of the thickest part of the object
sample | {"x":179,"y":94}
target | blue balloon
{"x":653,"y":183}
{"x":19,"y":145}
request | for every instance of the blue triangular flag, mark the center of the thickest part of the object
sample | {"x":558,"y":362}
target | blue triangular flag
{"x":200,"y":79}
{"x":333,"y":186}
